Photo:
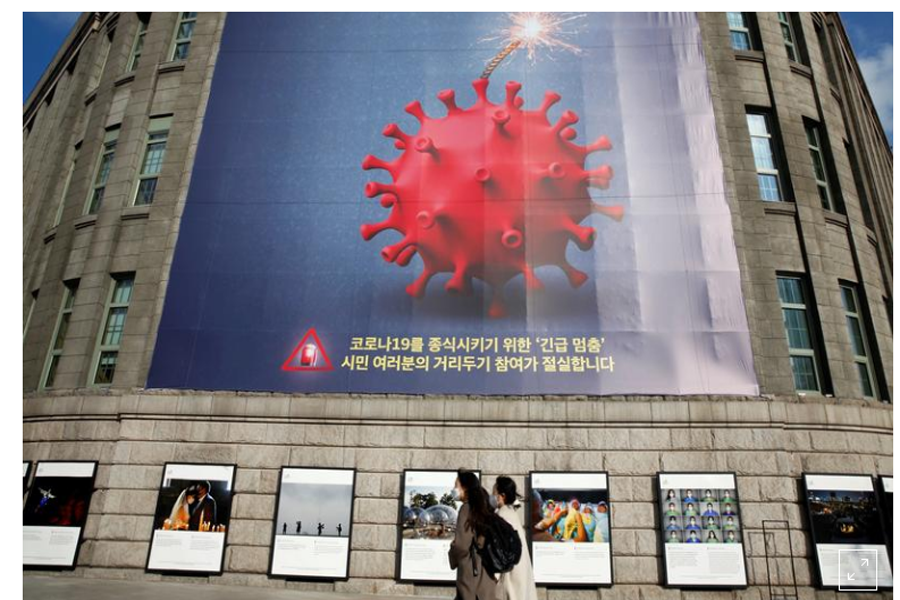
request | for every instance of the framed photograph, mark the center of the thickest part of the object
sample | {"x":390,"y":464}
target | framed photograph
{"x":846,"y":526}
{"x":26,"y":475}
{"x":55,"y":513}
{"x":193,"y":513}
{"x":313,"y":524}
{"x":701,"y":530}
{"x":569,"y":528}
{"x":427,"y":525}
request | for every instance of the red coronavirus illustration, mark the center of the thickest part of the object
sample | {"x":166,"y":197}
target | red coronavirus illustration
{"x":491,"y":192}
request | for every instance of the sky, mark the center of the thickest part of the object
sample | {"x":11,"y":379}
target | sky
{"x":872,"y":36}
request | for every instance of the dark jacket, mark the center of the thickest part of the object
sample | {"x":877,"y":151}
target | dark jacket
{"x":204,"y":512}
{"x":470,"y":586}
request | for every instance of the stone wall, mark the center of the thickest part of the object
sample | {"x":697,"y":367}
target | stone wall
{"x":767,"y":442}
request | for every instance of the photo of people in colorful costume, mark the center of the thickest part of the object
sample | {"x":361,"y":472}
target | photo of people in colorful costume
{"x":570,"y":515}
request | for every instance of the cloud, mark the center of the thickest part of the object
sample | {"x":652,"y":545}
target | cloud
{"x":878,"y":71}
{"x":56,"y":20}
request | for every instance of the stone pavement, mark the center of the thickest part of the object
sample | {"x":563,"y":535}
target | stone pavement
{"x":79,"y":588}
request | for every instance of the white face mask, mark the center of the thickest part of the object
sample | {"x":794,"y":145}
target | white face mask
{"x":494,"y":502}
{"x":454,"y":493}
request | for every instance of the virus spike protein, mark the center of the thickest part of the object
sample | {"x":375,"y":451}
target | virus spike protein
{"x":489,"y":192}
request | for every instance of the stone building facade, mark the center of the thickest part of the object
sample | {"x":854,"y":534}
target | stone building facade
{"x":95,"y":86}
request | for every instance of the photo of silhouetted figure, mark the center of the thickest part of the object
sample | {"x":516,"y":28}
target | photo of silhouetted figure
{"x":314,"y":509}
{"x":340,"y":529}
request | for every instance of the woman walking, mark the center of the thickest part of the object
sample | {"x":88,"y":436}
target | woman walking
{"x":517,"y":584}
{"x":472,"y":581}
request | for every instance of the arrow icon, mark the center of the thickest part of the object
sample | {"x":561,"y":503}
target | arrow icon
{"x":865,"y":562}
{"x":850,"y":576}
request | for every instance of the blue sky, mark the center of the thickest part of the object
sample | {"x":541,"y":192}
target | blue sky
{"x":871,"y":34}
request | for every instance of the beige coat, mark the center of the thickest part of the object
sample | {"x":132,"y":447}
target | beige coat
{"x":518,"y":584}
{"x":468,"y":585}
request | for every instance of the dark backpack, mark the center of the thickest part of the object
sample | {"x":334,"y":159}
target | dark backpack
{"x":502,"y":547}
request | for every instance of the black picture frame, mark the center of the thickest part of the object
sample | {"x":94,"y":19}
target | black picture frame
{"x":275,"y":527}
{"x":26,"y":478}
{"x":529,"y":526}
{"x":886,"y":500}
{"x":192,"y":572}
{"x":812,"y":531}
{"x":662,"y":537}
{"x":79,"y":543}
{"x":398,"y":567}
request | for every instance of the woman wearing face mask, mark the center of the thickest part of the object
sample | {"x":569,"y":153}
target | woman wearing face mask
{"x":472,"y":581}
{"x":517,"y":584}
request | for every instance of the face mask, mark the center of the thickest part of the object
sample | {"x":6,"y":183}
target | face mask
{"x":494,"y":502}
{"x":454,"y":493}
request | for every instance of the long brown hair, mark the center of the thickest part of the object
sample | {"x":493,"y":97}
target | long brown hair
{"x":480,"y":511}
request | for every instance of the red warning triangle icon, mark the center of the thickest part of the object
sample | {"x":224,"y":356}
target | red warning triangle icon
{"x":309,"y":355}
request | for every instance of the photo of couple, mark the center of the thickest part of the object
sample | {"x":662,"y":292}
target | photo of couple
{"x":570,"y":515}
{"x":189,"y":505}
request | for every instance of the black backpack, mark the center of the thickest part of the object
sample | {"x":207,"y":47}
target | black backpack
{"x":502,"y":547}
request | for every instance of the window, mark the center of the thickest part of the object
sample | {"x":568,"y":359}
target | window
{"x":860,"y":186}
{"x":858,"y":341}
{"x":814,"y":142}
{"x":104,"y":165}
{"x":34,"y":297}
{"x":764,"y":156}
{"x":57,"y":219}
{"x":787,"y":32}
{"x":59,"y":334}
{"x":804,"y":359}
{"x":103,"y":55}
{"x":739,"y":25}
{"x":183,"y":32}
{"x":138,"y":47}
{"x":154,"y":154}
{"x":113,"y":326}
{"x":822,"y":37}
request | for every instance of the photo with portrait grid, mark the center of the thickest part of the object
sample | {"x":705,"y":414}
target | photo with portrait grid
{"x":695,"y":516}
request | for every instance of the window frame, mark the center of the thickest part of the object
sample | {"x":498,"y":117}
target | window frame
{"x":54,"y":353}
{"x":790,"y":41}
{"x":34,"y":298}
{"x":57,"y":218}
{"x":109,"y":145}
{"x":177,"y":40}
{"x":158,"y":125}
{"x":864,"y":360}
{"x":813,"y":352}
{"x":100,"y":348}
{"x":137,"y":46}
{"x":819,"y":151}
{"x":772,"y":141}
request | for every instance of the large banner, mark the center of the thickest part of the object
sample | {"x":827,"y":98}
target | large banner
{"x":570,"y":528}
{"x":703,"y":535}
{"x":848,"y":534}
{"x":193,"y":513}
{"x":482,"y":203}
{"x":55,"y":513}
{"x":313,"y":522}
{"x":428,"y":516}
